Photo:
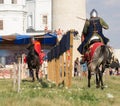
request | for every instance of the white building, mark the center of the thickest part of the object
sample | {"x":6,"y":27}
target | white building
{"x":39,"y":14}
{"x":65,"y":13}
{"x":17,"y":16}
{"x":12,"y":16}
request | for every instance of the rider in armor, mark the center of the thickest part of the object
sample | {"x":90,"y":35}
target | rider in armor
{"x":92,"y":31}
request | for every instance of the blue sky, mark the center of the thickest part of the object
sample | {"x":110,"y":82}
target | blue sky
{"x":109,"y":10}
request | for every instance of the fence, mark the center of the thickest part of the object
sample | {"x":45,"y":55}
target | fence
{"x":60,"y":60}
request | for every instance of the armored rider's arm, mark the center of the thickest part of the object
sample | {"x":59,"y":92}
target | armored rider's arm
{"x":86,"y":27}
{"x":104,"y":24}
{"x":84,"y":32}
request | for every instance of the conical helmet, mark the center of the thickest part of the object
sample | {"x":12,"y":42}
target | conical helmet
{"x":93,"y":13}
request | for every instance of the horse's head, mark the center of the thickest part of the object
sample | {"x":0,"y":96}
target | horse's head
{"x":31,"y":50}
{"x":33,"y":59}
{"x":30,"y":47}
{"x":114,"y":63}
{"x":110,"y":56}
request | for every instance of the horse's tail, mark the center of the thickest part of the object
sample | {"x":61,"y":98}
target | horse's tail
{"x":103,"y":49}
{"x":102,"y":54}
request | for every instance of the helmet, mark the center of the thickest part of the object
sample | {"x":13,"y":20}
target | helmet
{"x":93,"y":13}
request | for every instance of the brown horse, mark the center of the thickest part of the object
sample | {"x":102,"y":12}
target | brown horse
{"x":33,"y":62}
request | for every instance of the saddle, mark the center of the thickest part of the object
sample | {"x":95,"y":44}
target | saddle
{"x":94,"y":44}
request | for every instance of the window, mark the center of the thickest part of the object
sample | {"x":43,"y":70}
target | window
{"x":1,"y":24}
{"x":29,"y":21}
{"x":14,"y":1}
{"x":45,"y":19}
{"x":1,"y":1}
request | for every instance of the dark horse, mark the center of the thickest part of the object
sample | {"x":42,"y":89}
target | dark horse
{"x":33,"y":62}
{"x":98,"y":61}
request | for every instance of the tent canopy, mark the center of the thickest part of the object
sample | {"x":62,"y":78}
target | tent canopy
{"x":15,"y":39}
{"x":46,"y":39}
{"x":49,"y":39}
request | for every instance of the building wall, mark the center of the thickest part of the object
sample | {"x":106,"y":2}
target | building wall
{"x":12,"y":23}
{"x":37,"y":9}
{"x":30,"y":8}
{"x":43,"y":8}
{"x":65,"y":13}
{"x":16,"y":15}
{"x":12,"y":16}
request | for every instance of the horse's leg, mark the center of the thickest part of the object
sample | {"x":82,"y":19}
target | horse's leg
{"x":101,"y":76}
{"x":32,"y":75}
{"x":97,"y":81}
{"x":37,"y":73}
{"x":101,"y":80}
{"x":89,"y":77}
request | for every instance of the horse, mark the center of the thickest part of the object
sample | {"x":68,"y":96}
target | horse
{"x":114,"y":65}
{"x":98,"y":57}
{"x":33,"y":62}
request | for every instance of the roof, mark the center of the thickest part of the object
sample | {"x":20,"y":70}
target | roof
{"x":48,"y":39}
{"x":45,"y":39}
{"x":15,"y":39}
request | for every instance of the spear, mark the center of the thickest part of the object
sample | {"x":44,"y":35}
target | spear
{"x":82,"y":18}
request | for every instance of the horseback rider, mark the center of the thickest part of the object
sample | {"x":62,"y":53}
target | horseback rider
{"x":37,"y":48}
{"x":92,"y":31}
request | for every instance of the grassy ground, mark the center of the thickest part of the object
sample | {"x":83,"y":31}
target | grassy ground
{"x":35,"y":94}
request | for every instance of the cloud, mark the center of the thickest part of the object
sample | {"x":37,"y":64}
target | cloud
{"x":111,"y":2}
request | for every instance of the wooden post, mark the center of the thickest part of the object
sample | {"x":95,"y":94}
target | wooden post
{"x":71,"y":59}
{"x":22,"y":70}
{"x":19,"y":74}
{"x":14,"y":76}
{"x":66,"y":71}
{"x":57,"y":71}
{"x":54,"y":70}
{"x":48,"y":71}
{"x":63,"y":67}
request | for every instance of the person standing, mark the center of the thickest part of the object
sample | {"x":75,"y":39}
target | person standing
{"x":77,"y":67}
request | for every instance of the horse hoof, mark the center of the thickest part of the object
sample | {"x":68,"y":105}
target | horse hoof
{"x":102,"y":87}
{"x":88,"y":86}
{"x":40,"y":80}
{"x":97,"y":86}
